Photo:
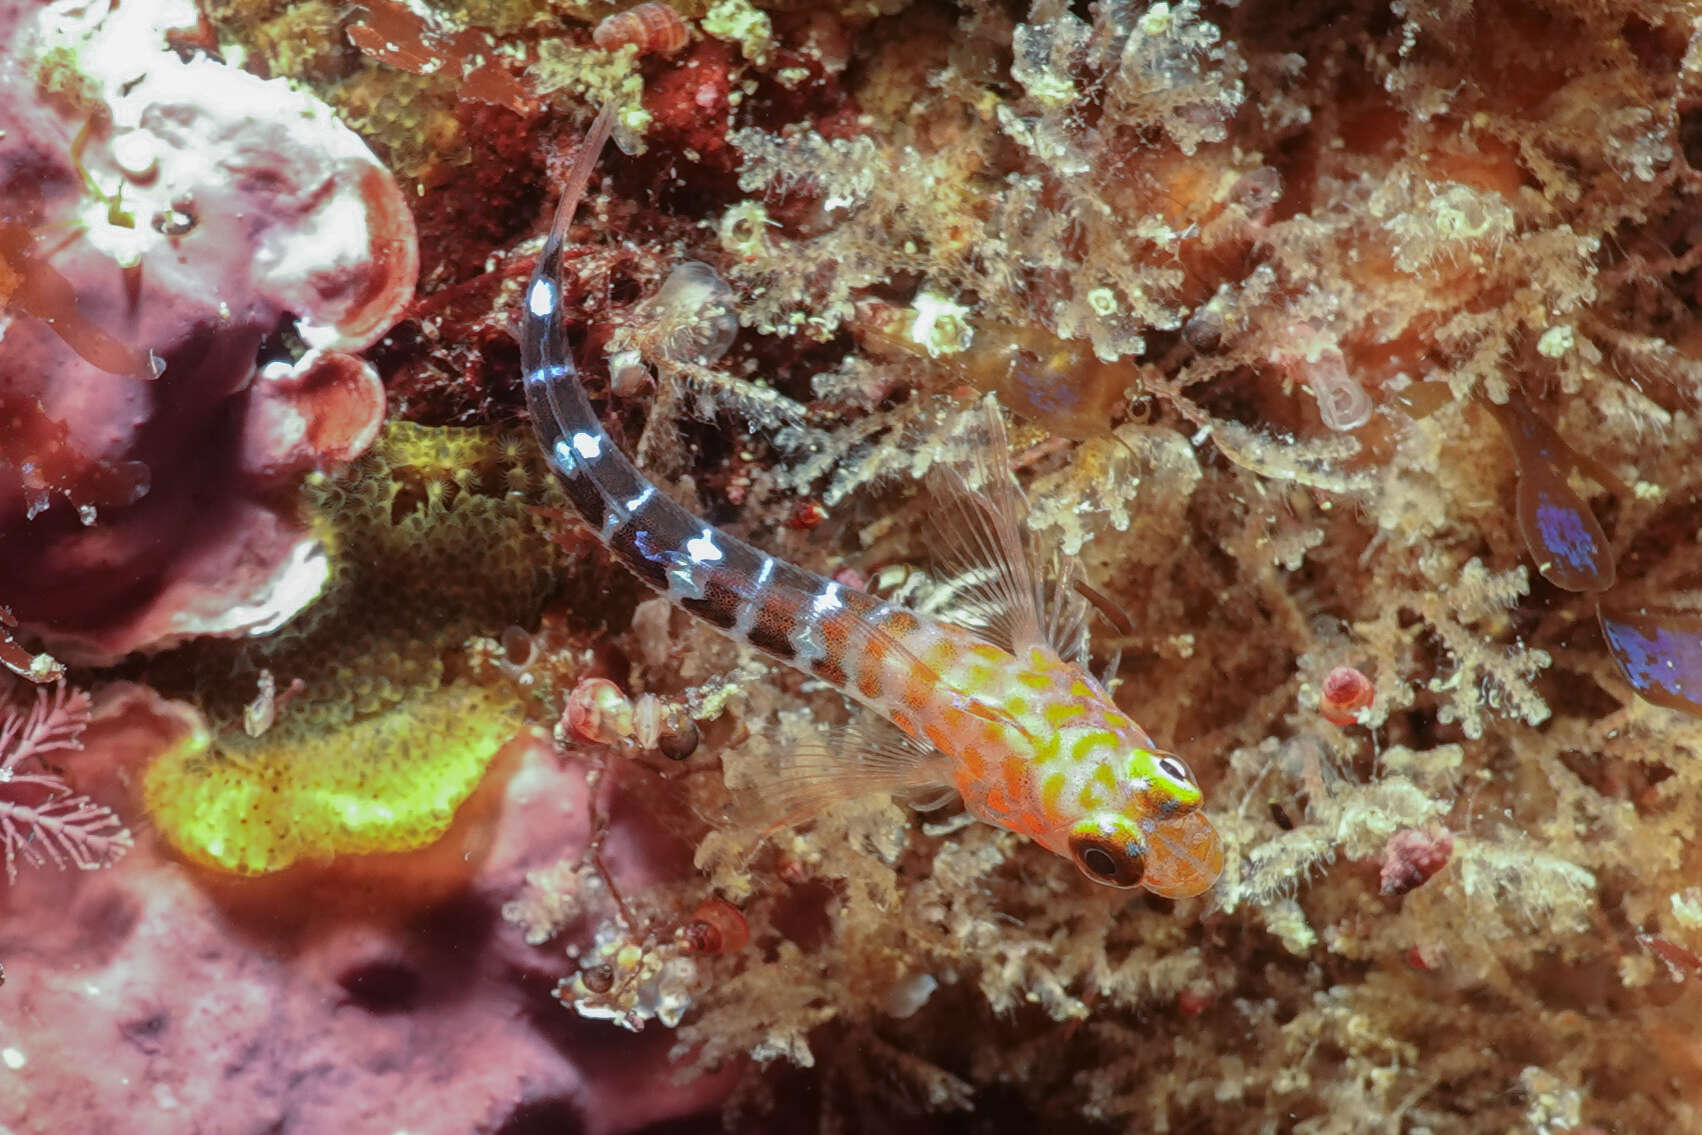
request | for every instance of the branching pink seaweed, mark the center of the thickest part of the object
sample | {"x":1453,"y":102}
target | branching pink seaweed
{"x":40,"y":818}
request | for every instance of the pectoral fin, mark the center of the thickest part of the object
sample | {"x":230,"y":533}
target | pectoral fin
{"x":867,"y":757}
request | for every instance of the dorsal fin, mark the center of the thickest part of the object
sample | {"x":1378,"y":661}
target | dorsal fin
{"x":1007,"y":591}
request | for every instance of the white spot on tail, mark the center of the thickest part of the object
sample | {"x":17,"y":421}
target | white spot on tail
{"x":748,"y":609}
{"x":702,"y":549}
{"x":587,"y":446}
{"x":827,"y":601}
{"x":541,"y":300}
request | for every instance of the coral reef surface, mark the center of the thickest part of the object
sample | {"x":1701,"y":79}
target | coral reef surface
{"x":1349,"y":349}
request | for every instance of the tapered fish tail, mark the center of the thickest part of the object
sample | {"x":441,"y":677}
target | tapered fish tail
{"x":794,"y":615}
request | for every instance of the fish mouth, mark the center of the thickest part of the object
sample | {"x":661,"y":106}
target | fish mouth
{"x":1184,"y":856}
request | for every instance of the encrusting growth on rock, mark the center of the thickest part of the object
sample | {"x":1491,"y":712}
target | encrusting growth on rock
{"x":1344,"y":359}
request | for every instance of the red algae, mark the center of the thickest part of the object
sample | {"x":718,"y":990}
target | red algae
{"x":398,"y":36}
{"x":29,"y":283}
{"x":42,"y":459}
{"x":38,"y":668}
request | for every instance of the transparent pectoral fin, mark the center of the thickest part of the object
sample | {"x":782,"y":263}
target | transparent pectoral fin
{"x":1184,"y":856}
{"x":1000,"y":585}
{"x":932,"y":801}
{"x":861,"y":759}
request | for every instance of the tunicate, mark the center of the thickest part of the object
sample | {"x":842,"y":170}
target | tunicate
{"x":1342,"y":402}
{"x":695,"y":313}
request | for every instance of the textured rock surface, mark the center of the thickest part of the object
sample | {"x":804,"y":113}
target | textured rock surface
{"x":164,"y":222}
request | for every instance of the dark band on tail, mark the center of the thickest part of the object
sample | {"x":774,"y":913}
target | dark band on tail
{"x":715,"y":576}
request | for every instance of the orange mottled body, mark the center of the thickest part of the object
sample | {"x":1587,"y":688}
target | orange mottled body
{"x":1006,"y":714}
{"x":1033,"y":742}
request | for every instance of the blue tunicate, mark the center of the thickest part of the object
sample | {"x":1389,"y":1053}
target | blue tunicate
{"x":1660,"y":655}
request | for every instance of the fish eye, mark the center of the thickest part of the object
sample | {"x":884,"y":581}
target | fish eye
{"x":1175,"y":769}
{"x":1104,"y":861}
{"x":1098,"y":861}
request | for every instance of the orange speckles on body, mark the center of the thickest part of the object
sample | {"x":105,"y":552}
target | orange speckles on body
{"x":941,"y":656}
{"x":1016,"y":777}
{"x":974,"y":765}
{"x":874,"y":651}
{"x":937,"y":736}
{"x":919,"y":687}
{"x":1030,"y":823}
{"x":899,"y":623}
{"x":835,"y":630}
{"x":829,"y":671}
{"x":986,"y":652}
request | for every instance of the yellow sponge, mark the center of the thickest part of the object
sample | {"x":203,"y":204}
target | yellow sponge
{"x":389,"y":782}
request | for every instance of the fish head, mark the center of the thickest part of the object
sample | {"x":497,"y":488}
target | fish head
{"x":1152,"y":836}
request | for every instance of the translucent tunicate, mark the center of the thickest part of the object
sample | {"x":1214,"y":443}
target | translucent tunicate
{"x":907,"y":997}
{"x":1342,"y":402}
{"x":695,"y":313}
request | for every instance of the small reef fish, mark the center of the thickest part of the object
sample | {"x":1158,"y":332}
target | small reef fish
{"x":1005,"y":713}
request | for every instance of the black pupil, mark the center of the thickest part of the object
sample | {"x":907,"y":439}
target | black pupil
{"x":1099,"y":861}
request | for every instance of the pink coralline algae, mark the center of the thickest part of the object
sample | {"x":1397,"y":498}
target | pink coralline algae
{"x":164,"y":225}
{"x":391,"y":995}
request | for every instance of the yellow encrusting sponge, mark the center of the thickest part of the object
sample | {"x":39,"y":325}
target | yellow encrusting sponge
{"x":385,"y":783}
